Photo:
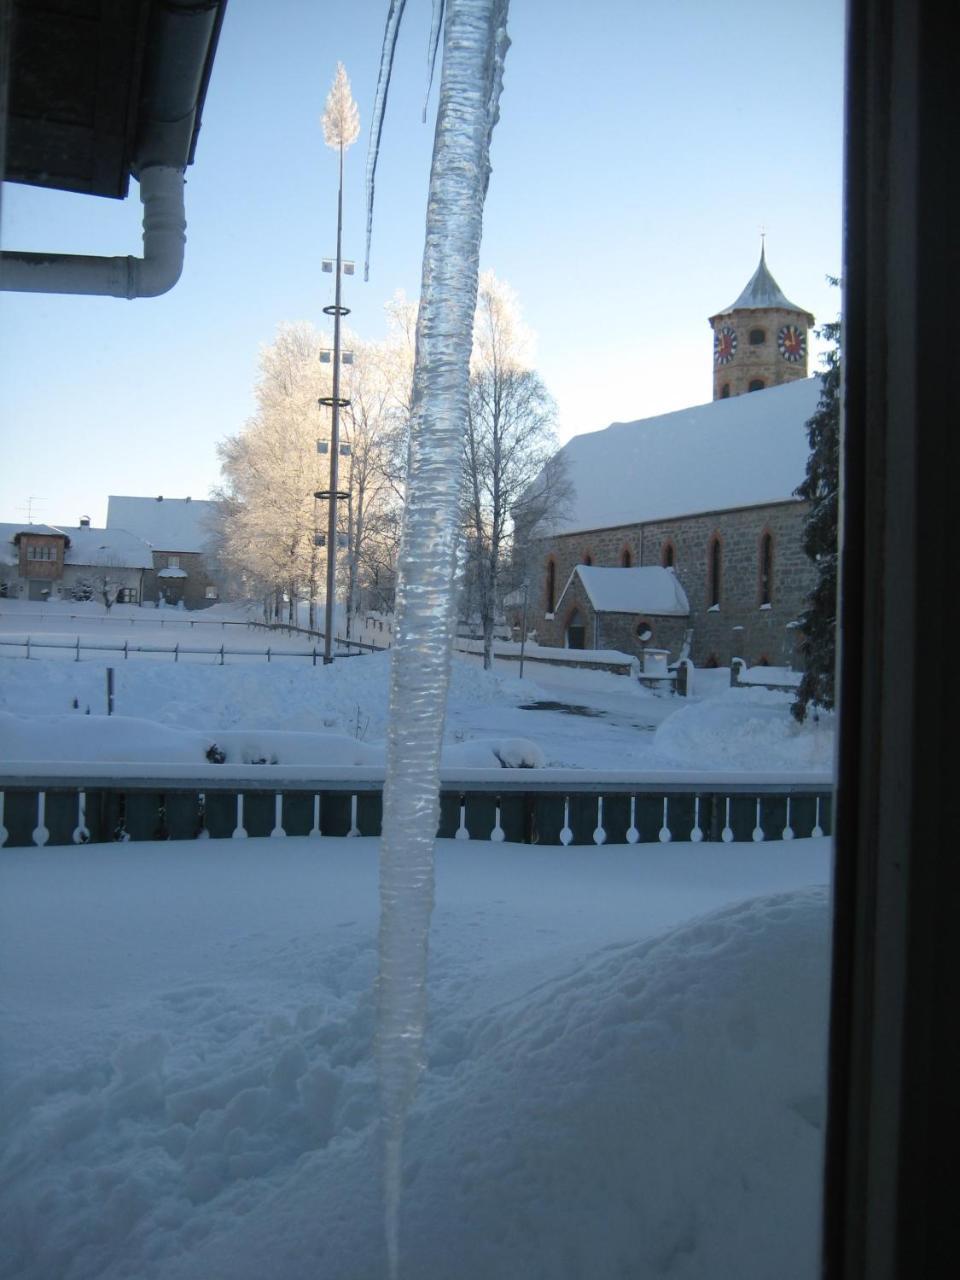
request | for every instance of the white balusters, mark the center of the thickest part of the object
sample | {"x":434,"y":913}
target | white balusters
{"x":599,"y":834}
{"x":726,"y":835}
{"x":696,"y":834}
{"x":462,"y":833}
{"x":278,"y":831}
{"x":633,"y":835}
{"x":566,"y":835}
{"x":664,"y":834}
{"x":315,"y":831}
{"x":354,"y":829}
{"x":758,"y":829}
{"x":239,"y":831}
{"x":817,"y":829}
{"x":40,"y":832}
{"x":788,"y":829}
{"x":81,"y":832}
{"x":497,"y":834}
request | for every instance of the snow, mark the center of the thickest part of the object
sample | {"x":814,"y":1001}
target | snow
{"x":110,"y":548}
{"x":172,"y":573}
{"x":650,"y":589}
{"x":168,"y":524}
{"x":741,"y":452}
{"x":625,"y":1063}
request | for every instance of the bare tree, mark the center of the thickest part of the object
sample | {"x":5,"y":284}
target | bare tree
{"x":512,"y":478}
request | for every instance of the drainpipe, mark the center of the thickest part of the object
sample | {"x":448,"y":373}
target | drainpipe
{"x":164,"y":226}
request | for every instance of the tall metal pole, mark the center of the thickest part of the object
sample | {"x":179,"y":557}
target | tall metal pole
{"x":334,"y":439}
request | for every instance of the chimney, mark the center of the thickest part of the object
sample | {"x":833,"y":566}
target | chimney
{"x":160,"y":497}
{"x":84,"y":522}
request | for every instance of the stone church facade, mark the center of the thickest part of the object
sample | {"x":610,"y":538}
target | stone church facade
{"x":705,"y":493}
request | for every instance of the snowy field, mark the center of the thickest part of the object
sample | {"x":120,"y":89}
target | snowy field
{"x":625,"y":1079}
{"x":291,"y":712}
{"x":626,"y":1045}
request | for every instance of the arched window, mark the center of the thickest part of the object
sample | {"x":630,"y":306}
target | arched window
{"x":766,"y":568}
{"x":725,"y":391}
{"x":714,"y":566}
{"x":643,"y":631}
{"x":626,"y":559}
{"x":576,"y":631}
{"x":756,"y":384}
{"x":550,"y":596}
{"x":587,"y":558}
{"x":668,"y":555}
{"x":758,"y":337}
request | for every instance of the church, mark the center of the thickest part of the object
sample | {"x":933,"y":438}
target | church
{"x":683,"y":532}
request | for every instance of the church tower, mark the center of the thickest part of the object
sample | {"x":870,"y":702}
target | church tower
{"x":760,"y":340}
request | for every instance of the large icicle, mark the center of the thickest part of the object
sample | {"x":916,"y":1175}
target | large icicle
{"x":475,"y":42}
{"x":391,"y":31}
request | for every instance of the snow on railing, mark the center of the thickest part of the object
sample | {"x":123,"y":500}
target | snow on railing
{"x":42,"y":804}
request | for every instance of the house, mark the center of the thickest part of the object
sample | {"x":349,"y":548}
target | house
{"x":178,"y":531}
{"x":705,"y":494}
{"x":50,"y":562}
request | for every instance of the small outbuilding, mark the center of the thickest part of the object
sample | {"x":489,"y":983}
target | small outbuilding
{"x":625,"y":609}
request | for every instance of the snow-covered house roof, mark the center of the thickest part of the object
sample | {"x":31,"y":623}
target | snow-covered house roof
{"x":168,"y":524}
{"x":745,"y":451}
{"x":762,"y":291}
{"x":114,"y":548}
{"x":649,"y":589}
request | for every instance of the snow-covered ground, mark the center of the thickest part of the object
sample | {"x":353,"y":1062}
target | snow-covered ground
{"x":626,"y":1044}
{"x":626,"y":1056}
{"x":337,"y":714}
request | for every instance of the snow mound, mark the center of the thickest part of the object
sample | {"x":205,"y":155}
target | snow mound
{"x":744,"y":729}
{"x":658,"y":1111}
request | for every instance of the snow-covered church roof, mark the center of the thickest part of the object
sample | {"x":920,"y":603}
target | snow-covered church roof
{"x":744,"y":451}
{"x":649,"y":589}
{"x":763,"y":291}
{"x":168,"y":524}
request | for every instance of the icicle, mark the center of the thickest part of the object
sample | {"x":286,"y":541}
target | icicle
{"x":394,"y":14}
{"x":758,"y":829}
{"x":40,"y":832}
{"x":278,"y":830}
{"x":788,"y":829}
{"x":696,"y":835}
{"x":633,"y":835}
{"x":4,"y":833}
{"x":474,"y":46}
{"x":726,"y":835}
{"x":566,"y":835}
{"x":665,"y":834}
{"x":315,"y":831}
{"x":434,"y":43}
{"x":599,"y":834}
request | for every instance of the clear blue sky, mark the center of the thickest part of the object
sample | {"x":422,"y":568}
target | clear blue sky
{"x":641,"y":147}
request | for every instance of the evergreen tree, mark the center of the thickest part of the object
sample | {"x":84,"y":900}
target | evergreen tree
{"x":821,"y":488}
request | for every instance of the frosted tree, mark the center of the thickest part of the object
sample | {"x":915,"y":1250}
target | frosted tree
{"x":474,"y":45}
{"x":509,"y":442}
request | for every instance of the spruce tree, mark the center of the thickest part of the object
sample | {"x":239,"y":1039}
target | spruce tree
{"x":821,"y":488}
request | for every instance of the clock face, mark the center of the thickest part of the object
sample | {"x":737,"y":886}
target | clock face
{"x":792,"y":342}
{"x":724,"y":345}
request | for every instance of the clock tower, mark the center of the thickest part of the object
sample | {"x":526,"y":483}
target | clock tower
{"x":760,"y":340}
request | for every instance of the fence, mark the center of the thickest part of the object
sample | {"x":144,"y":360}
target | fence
{"x":30,"y":645}
{"x":556,"y":807}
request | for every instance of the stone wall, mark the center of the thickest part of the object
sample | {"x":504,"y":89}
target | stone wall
{"x":741,"y":625}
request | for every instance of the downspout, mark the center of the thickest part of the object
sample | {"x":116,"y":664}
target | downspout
{"x":164,"y":227}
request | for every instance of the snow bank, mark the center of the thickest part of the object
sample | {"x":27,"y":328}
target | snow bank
{"x":744,"y":729}
{"x":189,"y":1089}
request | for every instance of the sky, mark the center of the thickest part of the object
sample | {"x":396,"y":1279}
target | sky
{"x":640,"y":150}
